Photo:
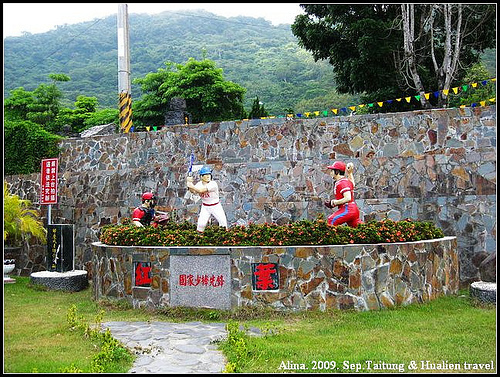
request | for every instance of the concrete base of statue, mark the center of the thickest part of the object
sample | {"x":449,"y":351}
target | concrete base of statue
{"x":7,"y":269}
{"x":73,"y":281}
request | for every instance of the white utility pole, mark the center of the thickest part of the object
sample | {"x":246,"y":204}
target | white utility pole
{"x":124,"y":88}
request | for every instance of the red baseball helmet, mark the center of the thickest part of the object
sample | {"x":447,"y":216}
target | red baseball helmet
{"x":148,"y":196}
{"x":337,"y":165}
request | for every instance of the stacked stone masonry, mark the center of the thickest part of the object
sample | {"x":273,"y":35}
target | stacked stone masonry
{"x":359,"y":277}
{"x":436,"y":165}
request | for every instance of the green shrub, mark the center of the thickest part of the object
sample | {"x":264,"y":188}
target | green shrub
{"x":303,"y":232}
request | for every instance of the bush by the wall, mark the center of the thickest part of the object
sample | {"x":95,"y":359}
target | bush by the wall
{"x":26,"y":144}
{"x":303,"y":232}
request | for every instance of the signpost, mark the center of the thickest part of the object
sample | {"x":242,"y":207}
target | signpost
{"x":60,"y":247}
{"x":49,"y":170}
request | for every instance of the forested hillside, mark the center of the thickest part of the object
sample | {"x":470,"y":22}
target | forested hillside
{"x":263,"y":58}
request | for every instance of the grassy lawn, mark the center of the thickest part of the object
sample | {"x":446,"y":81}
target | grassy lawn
{"x":434,"y":337}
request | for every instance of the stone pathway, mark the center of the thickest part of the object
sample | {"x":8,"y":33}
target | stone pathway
{"x":165,"y":347}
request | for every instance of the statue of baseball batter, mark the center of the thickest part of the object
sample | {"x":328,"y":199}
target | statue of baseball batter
{"x":348,"y":211}
{"x":208,"y":190}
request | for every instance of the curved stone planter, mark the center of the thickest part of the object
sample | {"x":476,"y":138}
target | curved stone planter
{"x":484,"y":291}
{"x":73,"y":281}
{"x":361,"y":277}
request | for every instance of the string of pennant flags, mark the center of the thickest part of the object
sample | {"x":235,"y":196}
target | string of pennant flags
{"x":408,"y":99}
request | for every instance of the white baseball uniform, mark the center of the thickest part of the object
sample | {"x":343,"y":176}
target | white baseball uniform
{"x":210,"y":206}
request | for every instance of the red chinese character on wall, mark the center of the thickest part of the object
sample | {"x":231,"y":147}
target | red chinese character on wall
{"x":143,"y":274}
{"x":265,"y":276}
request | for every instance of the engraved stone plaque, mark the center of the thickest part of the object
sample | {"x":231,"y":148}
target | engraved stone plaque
{"x":201,"y":281}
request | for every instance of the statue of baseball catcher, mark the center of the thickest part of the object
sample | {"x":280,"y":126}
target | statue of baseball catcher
{"x":348,"y":211}
{"x":208,"y":190}
{"x":146,"y":214}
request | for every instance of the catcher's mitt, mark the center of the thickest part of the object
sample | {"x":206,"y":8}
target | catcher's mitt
{"x":328,"y":204}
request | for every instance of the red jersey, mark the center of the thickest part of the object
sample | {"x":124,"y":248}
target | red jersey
{"x":341,"y":186}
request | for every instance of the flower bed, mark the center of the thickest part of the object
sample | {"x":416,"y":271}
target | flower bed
{"x":298,"y":266}
{"x":303,"y":232}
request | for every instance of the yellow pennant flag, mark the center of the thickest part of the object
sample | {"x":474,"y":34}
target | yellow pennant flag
{"x":307,"y":114}
{"x":334,"y":111}
{"x":352,"y":108}
{"x":316,"y":113}
{"x":455,"y":90}
{"x":398,"y":99}
{"x":408,"y":99}
{"x":427,"y":95}
{"x":483,"y":103}
{"x":494,"y":79}
{"x":446,"y":91}
{"x":474,"y":84}
{"x":148,"y":128}
{"x":462,"y":106}
{"x":380,"y":104}
{"x":361,"y":106}
{"x":492,"y":99}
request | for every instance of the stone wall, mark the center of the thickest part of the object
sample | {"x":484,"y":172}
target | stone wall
{"x":437,"y":165}
{"x":360,"y":277}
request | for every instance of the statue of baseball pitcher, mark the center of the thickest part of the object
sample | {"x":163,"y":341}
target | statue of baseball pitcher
{"x":348,"y":211}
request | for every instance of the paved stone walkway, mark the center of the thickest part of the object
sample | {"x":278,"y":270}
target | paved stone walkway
{"x":165,"y":347}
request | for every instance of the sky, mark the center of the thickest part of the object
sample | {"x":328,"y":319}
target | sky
{"x":42,"y":17}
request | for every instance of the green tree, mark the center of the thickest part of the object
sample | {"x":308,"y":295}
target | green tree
{"x":40,"y":106}
{"x":387,"y":51}
{"x":103,"y":116}
{"x":209,"y":97}
{"x":16,"y":106}
{"x":258,"y":110}
{"x":469,"y":94}
{"x":76,"y":118}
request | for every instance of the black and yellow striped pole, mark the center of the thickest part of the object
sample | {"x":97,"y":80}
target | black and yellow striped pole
{"x":125,"y":96}
{"x":125,"y":104}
